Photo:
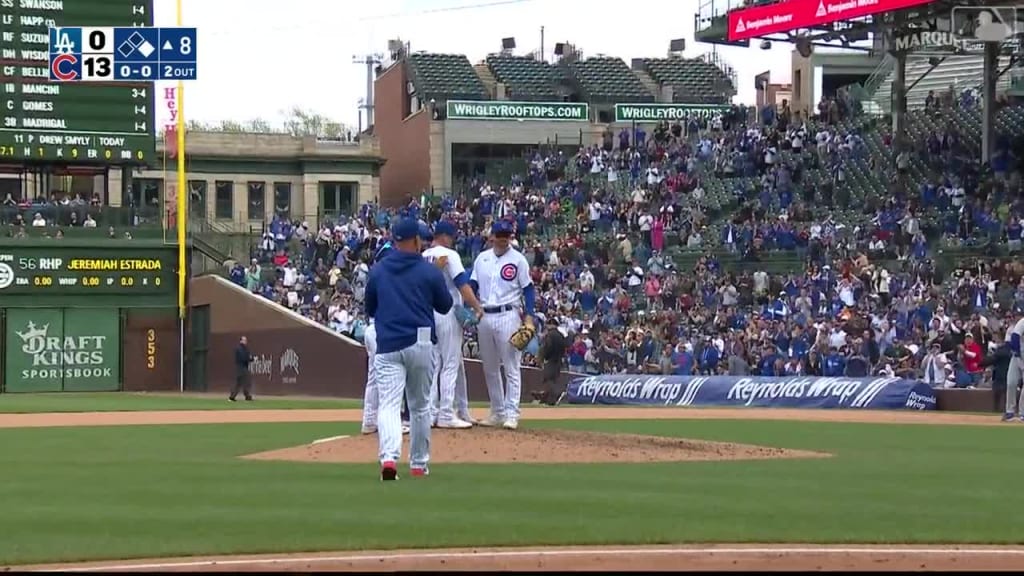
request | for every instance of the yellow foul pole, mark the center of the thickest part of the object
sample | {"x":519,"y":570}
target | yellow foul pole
{"x":182,"y":209}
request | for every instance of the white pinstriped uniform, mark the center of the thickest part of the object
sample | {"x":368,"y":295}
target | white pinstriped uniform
{"x":1015,"y":373}
{"x":370,"y":397}
{"x":501,"y":280}
{"x":448,"y":391}
{"x":405,"y":373}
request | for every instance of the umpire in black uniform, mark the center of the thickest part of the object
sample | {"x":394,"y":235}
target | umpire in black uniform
{"x":999,"y":360}
{"x":552,"y":350}
{"x":242,"y":381}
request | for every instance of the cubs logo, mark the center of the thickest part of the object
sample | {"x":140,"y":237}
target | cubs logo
{"x":509,"y":272}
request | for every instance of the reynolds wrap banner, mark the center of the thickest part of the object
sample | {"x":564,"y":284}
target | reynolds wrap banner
{"x":758,"y":391}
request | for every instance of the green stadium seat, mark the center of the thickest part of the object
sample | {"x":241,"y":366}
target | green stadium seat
{"x":445,"y":77}
{"x":526,"y":78}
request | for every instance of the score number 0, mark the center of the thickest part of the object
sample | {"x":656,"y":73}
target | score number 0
{"x":97,"y":66}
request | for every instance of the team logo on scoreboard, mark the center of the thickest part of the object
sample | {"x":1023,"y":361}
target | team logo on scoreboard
{"x":6,"y":276}
{"x":63,"y":67}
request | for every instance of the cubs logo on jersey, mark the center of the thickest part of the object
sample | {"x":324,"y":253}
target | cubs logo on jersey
{"x":509,"y":272}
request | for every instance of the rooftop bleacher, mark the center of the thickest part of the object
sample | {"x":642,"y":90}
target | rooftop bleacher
{"x":445,"y":76}
{"x":525,"y":78}
{"x":693,"y":80}
{"x":609,"y":80}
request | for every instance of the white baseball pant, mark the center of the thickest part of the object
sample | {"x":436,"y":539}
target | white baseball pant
{"x":407,"y":370}
{"x":496,"y":352}
{"x":1014,"y":378}
{"x":370,"y":398}
{"x":448,"y":390}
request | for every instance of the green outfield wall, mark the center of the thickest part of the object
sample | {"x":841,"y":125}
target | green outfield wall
{"x":88,"y":316}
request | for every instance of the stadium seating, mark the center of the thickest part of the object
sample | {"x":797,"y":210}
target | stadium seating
{"x":525,"y":78}
{"x":445,"y":76}
{"x":609,"y":80}
{"x":693,"y":80}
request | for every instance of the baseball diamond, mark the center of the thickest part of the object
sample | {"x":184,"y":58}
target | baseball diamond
{"x":710,"y":466}
{"x":767,"y":300}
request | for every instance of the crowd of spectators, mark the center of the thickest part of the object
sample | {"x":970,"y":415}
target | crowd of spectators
{"x":604,"y":227}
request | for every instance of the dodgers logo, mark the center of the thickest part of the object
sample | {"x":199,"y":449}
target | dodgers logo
{"x":509,"y":272}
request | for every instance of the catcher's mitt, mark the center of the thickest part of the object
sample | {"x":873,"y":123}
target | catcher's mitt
{"x":522,"y":336}
{"x":465,"y":316}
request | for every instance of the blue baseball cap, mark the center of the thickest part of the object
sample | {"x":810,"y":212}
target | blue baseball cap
{"x":501,"y":227}
{"x":405,"y":229}
{"x":446,"y":228}
{"x":425,"y":232}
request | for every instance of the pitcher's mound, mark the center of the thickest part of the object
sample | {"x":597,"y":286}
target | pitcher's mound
{"x":545,"y":445}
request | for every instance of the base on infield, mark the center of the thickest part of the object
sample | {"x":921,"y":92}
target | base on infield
{"x":491,"y":445}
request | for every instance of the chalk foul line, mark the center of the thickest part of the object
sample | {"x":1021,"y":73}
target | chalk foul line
{"x":543,"y":554}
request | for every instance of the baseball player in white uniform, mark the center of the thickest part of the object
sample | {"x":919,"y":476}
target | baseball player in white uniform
{"x":1015,"y":373}
{"x":506,"y":292}
{"x":402,"y":294}
{"x":450,"y":371}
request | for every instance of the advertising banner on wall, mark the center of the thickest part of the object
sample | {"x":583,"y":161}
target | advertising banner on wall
{"x":507,"y":110}
{"x":757,"y":391}
{"x":757,"y":21}
{"x":54,"y":350}
{"x":647,"y":112}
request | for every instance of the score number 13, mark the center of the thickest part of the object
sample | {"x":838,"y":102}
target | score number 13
{"x":151,"y":349}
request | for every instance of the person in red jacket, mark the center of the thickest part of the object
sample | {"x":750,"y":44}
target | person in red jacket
{"x":972,"y":356}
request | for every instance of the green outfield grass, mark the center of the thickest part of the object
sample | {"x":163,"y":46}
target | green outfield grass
{"x":136,"y":402}
{"x":122,"y":492}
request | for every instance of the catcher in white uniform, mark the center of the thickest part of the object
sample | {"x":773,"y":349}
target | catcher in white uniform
{"x":502,"y":279}
{"x":449,"y":398}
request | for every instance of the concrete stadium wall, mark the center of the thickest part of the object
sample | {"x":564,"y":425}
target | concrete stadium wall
{"x":330,"y":364}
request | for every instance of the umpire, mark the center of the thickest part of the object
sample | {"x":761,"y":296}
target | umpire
{"x":999,"y":360}
{"x":552,"y":350}
{"x":242,"y":359}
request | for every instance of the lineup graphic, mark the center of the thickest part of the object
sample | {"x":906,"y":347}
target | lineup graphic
{"x":122,"y":54}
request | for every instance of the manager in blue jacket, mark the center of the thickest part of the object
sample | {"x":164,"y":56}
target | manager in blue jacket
{"x":402,"y":293}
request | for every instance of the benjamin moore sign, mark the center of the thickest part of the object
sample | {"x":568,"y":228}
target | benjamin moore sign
{"x":505,"y":110}
{"x":658,"y":112}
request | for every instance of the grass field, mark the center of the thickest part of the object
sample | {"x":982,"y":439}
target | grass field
{"x":126,"y":492}
{"x":142,"y":402}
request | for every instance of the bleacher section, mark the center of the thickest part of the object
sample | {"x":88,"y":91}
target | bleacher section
{"x":610,"y":80}
{"x":525,"y":78}
{"x":963,"y":72}
{"x":692,"y":80}
{"x":445,"y":76}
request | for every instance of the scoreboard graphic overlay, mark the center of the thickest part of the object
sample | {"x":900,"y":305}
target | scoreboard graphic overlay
{"x":94,"y":54}
{"x":70,"y":122}
{"x":123,"y":271}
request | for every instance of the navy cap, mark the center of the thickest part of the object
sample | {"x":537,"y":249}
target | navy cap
{"x":446,"y":228}
{"x":425,"y":232}
{"x":501,"y":227}
{"x":405,"y":229}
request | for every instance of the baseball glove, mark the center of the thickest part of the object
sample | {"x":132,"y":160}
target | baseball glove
{"x":465,"y":316}
{"x":522,"y":336}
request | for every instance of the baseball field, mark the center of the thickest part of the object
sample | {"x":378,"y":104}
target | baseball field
{"x":168,"y":482}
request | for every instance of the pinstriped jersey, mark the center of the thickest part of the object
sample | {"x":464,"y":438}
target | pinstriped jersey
{"x":501,"y":278}
{"x":451,"y":270}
